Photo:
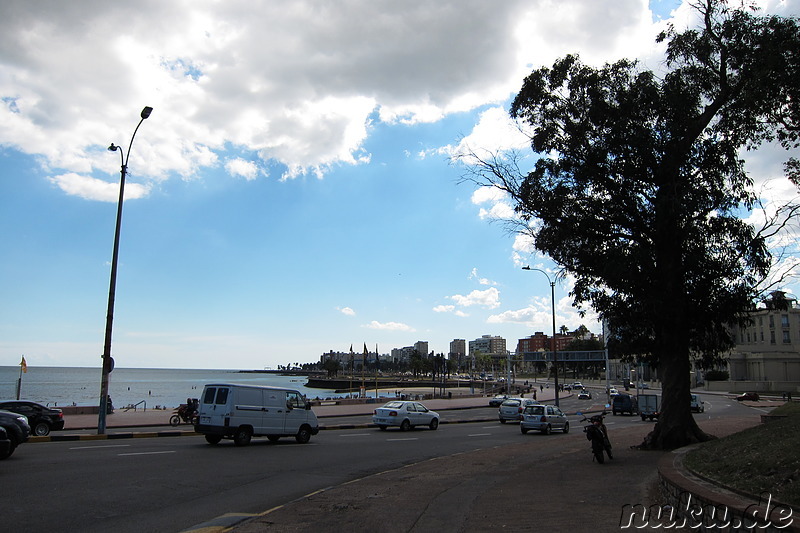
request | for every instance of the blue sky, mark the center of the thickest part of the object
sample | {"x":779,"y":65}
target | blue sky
{"x":291,"y":192}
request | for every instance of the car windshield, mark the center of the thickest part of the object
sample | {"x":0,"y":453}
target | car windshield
{"x":393,"y":405}
{"x":511,"y":403}
{"x":535,"y":409}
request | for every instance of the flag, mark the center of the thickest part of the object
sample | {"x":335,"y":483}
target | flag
{"x":24,"y":365}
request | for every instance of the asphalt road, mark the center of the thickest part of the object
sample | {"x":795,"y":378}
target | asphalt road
{"x":170,"y":484}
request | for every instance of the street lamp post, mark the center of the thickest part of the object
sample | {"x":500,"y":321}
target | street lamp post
{"x":108,"y":361}
{"x":553,"y":339}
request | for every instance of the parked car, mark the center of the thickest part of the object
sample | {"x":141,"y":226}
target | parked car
{"x":512,"y":408}
{"x":749,"y":396}
{"x":697,"y":405}
{"x":544,"y":418}
{"x":497,"y":400}
{"x":41,"y":418}
{"x":16,"y":427}
{"x":405,"y":415}
{"x":5,"y":443}
{"x":585,"y":395}
{"x":624,"y":403}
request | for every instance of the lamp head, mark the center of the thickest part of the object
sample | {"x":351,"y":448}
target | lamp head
{"x":113,"y":147}
{"x":526,"y":267}
{"x":146,"y":112}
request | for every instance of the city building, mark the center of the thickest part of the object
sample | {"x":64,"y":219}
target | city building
{"x":767,"y":352}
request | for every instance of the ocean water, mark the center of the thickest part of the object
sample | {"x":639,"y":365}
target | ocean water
{"x":147,"y":387}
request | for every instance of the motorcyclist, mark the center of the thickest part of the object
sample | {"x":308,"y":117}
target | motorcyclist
{"x":598,"y":435}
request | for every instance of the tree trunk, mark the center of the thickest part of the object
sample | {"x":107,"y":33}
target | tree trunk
{"x":676,"y":426}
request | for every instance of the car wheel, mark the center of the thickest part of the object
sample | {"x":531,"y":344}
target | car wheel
{"x":41,"y":429}
{"x":303,"y":435}
{"x":382,"y":427}
{"x":434,"y":424}
{"x":566,"y":427}
{"x":242,"y":436}
{"x":524,"y":430}
{"x":546,"y":429}
{"x":11,"y":447}
{"x":502,"y":420}
{"x":213,"y":439}
{"x":405,"y":425}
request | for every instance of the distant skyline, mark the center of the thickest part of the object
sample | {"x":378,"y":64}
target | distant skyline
{"x":292,"y":192}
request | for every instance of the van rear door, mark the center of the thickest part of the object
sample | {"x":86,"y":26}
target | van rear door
{"x":214,"y":406}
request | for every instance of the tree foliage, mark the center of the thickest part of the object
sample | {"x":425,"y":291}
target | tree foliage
{"x":640,"y":191}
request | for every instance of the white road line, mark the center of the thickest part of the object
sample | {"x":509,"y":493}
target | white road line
{"x":100,"y":447}
{"x":145,"y":453}
{"x":479,"y":435}
{"x":398,"y":440}
{"x":356,"y":435}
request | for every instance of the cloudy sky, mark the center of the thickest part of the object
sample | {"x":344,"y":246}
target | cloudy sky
{"x":291,"y":192}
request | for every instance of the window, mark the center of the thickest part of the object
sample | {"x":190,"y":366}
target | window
{"x":209,"y":395}
{"x":295,"y":401}
{"x":784,"y":321}
{"x":772,"y":337}
{"x":772,"y":321}
{"x":786,"y":338}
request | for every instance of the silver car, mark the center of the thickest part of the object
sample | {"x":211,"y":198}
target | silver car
{"x":512,"y":408}
{"x":405,"y":415}
{"x":544,"y":418}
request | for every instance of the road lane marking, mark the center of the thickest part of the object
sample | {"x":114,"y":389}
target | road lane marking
{"x":100,"y":447}
{"x":356,"y":435}
{"x":145,"y":453}
{"x":479,"y":435}
{"x":397,"y":440}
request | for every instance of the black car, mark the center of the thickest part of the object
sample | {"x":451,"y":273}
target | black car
{"x":17,"y":428}
{"x":5,"y":443}
{"x":41,"y":418}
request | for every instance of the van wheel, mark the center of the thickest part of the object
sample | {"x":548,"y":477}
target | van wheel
{"x":242,"y":436}
{"x":523,"y":429}
{"x":405,"y":426}
{"x":382,"y":427}
{"x":303,"y":435}
{"x":213,"y":439}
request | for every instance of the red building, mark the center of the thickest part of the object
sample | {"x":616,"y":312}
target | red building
{"x":540,"y":342}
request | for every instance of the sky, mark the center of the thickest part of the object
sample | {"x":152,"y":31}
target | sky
{"x":292,"y":192}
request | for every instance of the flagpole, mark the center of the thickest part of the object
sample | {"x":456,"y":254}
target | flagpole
{"x":376,"y":371}
{"x":23,"y":367}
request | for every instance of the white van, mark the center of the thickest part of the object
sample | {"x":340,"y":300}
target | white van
{"x":240,"y":412}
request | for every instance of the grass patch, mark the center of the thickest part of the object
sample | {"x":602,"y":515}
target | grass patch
{"x":760,"y":459}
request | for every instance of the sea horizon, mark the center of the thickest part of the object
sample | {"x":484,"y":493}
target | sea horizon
{"x":142,"y":387}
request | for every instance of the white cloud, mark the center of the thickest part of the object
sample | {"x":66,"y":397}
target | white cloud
{"x":490,"y":298}
{"x":95,"y":189}
{"x":292,"y":82}
{"x":346,"y":311}
{"x":242,"y":168}
{"x":389,"y":326}
{"x":483,"y":281}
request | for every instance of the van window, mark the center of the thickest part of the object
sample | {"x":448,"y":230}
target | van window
{"x":208,"y":397}
{"x":295,"y":400}
{"x":251,"y":397}
{"x":221,"y":395}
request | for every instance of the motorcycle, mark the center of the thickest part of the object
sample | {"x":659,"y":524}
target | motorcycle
{"x":186,"y":412}
{"x":597,"y":433}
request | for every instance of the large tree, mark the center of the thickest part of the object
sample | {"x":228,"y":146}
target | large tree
{"x":640,"y":187}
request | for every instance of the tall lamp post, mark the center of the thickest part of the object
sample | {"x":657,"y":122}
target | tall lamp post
{"x":108,"y":361}
{"x":553,"y":339}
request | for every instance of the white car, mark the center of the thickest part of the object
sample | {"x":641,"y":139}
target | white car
{"x":405,"y":415}
{"x":544,"y":418}
{"x":511,"y":409}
